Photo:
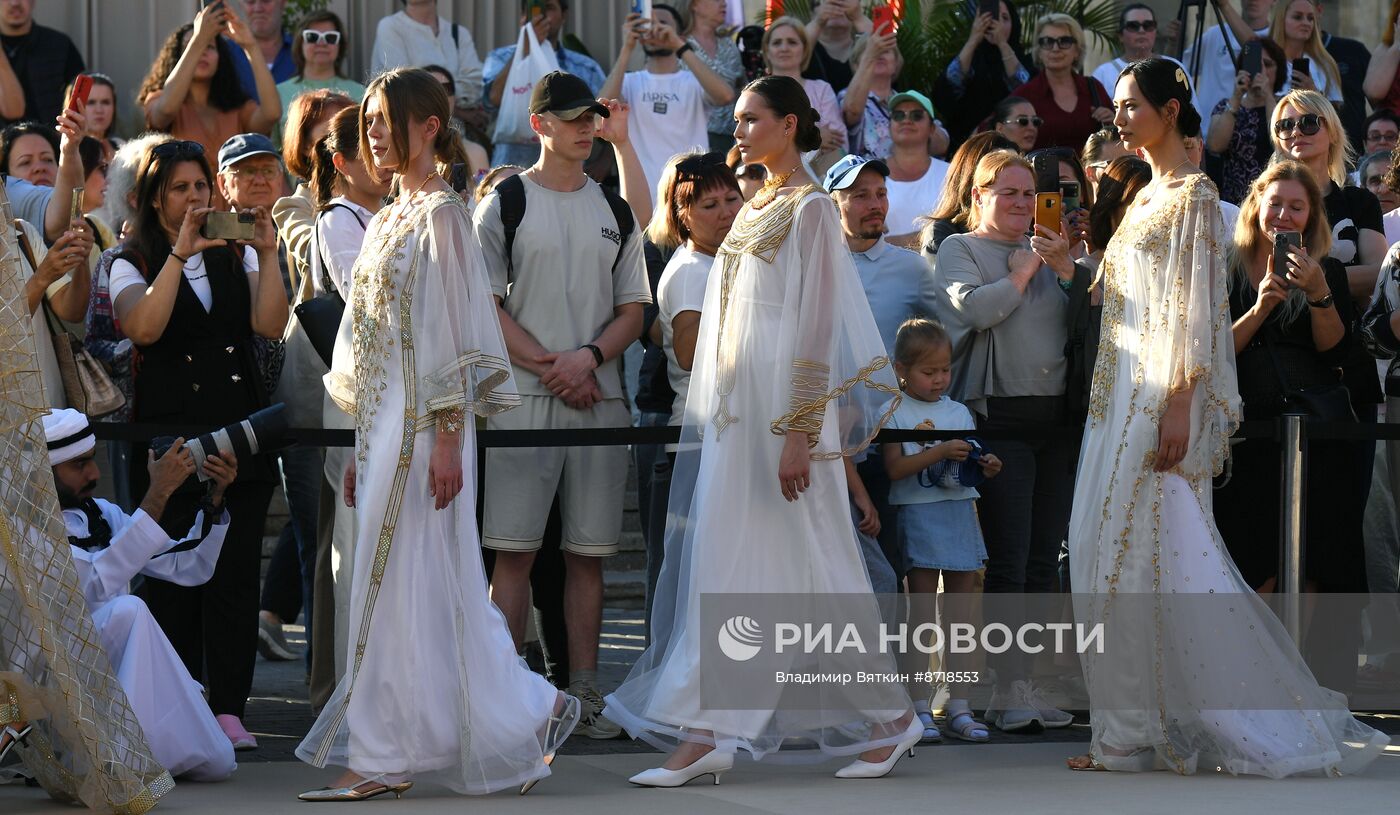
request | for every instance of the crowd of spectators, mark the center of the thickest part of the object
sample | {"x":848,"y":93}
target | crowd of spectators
{"x":244,"y":110}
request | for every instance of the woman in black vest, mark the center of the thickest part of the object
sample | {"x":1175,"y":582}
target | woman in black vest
{"x":192,"y":305}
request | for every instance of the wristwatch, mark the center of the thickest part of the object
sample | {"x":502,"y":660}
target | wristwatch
{"x":597,"y":354}
{"x":1322,"y":303}
{"x":680,"y":52}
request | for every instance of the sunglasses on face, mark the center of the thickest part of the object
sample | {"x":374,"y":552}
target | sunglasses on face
{"x":1307,"y":124}
{"x":1024,"y":121}
{"x":1138,"y":26}
{"x":1376,"y":135}
{"x":314,"y":37}
{"x":915,"y":115}
{"x":1056,"y":43}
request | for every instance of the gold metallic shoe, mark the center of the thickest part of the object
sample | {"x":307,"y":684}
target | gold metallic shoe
{"x":556,"y":732}
{"x":355,"y":793}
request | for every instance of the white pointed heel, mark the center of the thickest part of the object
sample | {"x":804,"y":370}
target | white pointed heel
{"x":868,"y":769}
{"x":713,"y":763}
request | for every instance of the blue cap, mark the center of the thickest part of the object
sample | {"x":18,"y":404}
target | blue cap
{"x":843,"y":173}
{"x":244,"y":145}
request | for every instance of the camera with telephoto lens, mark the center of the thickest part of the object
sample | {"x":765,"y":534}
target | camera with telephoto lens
{"x":263,"y":431}
{"x":951,"y":475}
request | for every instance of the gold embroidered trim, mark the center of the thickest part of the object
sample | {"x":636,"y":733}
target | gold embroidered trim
{"x":800,"y":414}
{"x":483,"y":400}
{"x":810,"y":381}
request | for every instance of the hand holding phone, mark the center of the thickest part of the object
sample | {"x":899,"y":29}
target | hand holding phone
{"x":1283,"y":242}
{"x":1049,"y":209}
{"x":82,"y":88}
{"x":1252,"y":58}
{"x":882,"y":18}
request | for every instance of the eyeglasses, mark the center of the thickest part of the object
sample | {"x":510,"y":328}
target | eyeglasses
{"x":751,"y":172}
{"x":1136,"y":26}
{"x":697,"y":165}
{"x":1024,"y":121}
{"x":915,"y":115}
{"x":265,"y":173}
{"x":1308,"y":124}
{"x":178,"y":149}
{"x":1057,"y":43}
{"x":311,"y":37}
{"x":1376,"y":135}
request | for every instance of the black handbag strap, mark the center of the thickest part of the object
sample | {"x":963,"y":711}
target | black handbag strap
{"x":326,"y":283}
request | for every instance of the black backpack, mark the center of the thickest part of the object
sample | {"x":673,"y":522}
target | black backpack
{"x":512,"y":193}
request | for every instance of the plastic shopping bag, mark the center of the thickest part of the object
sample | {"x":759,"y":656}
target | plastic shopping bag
{"x":513,"y":120}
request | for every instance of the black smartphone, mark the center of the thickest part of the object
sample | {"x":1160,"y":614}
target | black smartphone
{"x":992,"y":7}
{"x":1283,"y":241}
{"x":1047,"y":172}
{"x":1252,"y":58}
{"x":1069,"y":195}
{"x":459,"y":178}
{"x":1302,"y":65}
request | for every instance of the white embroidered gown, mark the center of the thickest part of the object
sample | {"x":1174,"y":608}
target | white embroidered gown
{"x":786,"y":341}
{"x":433,"y":687}
{"x":1198,"y":673}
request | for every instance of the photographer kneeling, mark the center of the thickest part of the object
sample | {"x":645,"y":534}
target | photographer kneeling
{"x":192,"y":304}
{"x":110,"y":547}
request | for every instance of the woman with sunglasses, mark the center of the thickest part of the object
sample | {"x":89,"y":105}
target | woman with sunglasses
{"x":1239,"y":135}
{"x":1137,"y":32}
{"x":1100,"y":149}
{"x":915,"y":178}
{"x":989,"y":65}
{"x":1070,"y":104}
{"x":865,"y":102}
{"x":192,"y":90}
{"x":319,"y":54}
{"x":1196,"y":673}
{"x":192,"y":306}
{"x":1016,"y":119}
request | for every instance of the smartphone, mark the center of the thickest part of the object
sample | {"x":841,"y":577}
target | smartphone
{"x":208,"y":3}
{"x":882,"y":16}
{"x":82,"y":87}
{"x":1302,"y":65}
{"x":228,"y":226}
{"x":459,"y":178}
{"x":1069,"y":193}
{"x":992,"y":7}
{"x":1252,"y":58}
{"x":1048,"y":209}
{"x":1047,"y":173}
{"x":642,"y":7}
{"x":1283,"y":241}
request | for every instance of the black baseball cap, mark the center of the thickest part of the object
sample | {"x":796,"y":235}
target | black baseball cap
{"x":564,"y":95}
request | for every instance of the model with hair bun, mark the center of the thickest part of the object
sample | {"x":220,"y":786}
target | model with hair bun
{"x":1196,"y":673}
{"x":789,"y":379}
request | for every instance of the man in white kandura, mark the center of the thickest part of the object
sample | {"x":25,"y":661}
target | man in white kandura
{"x":110,"y":547}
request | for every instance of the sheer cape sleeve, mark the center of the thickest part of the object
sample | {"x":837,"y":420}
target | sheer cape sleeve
{"x":842,"y":389}
{"x":461,"y":355}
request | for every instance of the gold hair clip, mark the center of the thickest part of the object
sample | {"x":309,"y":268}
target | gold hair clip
{"x":1181,"y":77}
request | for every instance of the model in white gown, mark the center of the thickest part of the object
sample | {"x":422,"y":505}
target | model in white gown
{"x":433,"y":687}
{"x":1186,"y":682}
{"x":786,"y":342}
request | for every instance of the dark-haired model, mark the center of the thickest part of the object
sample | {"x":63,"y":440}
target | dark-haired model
{"x":789,"y":378}
{"x":1197,"y":673}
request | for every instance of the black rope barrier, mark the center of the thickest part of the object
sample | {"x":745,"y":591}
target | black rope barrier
{"x":611,"y":436}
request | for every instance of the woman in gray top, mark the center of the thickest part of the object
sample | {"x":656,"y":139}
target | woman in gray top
{"x":1001,"y":299}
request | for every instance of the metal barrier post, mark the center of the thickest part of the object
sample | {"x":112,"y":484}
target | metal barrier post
{"x":1293,"y":515}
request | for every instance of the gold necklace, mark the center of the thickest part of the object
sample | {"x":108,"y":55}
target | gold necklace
{"x":402,"y":207}
{"x":770,"y":188}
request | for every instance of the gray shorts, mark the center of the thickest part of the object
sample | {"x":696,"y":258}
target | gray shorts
{"x":521,"y":481}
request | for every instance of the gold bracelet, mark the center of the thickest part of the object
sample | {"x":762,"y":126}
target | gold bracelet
{"x":450,"y":421}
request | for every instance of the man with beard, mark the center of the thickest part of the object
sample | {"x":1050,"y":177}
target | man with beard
{"x":667,"y":104}
{"x":110,"y":548}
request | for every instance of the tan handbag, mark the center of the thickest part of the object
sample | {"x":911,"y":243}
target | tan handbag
{"x":86,"y":384}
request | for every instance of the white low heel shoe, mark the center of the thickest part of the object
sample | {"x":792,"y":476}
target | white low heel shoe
{"x":713,"y":763}
{"x":866,"y":769}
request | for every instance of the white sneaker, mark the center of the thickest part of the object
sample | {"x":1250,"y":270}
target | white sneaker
{"x":592,"y":723}
{"x":1012,"y":709}
{"x":1051,"y":717}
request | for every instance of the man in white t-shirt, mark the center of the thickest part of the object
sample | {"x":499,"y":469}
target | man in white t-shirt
{"x":667,"y":104}
{"x":1220,"y":47}
{"x":1137,"y":32}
